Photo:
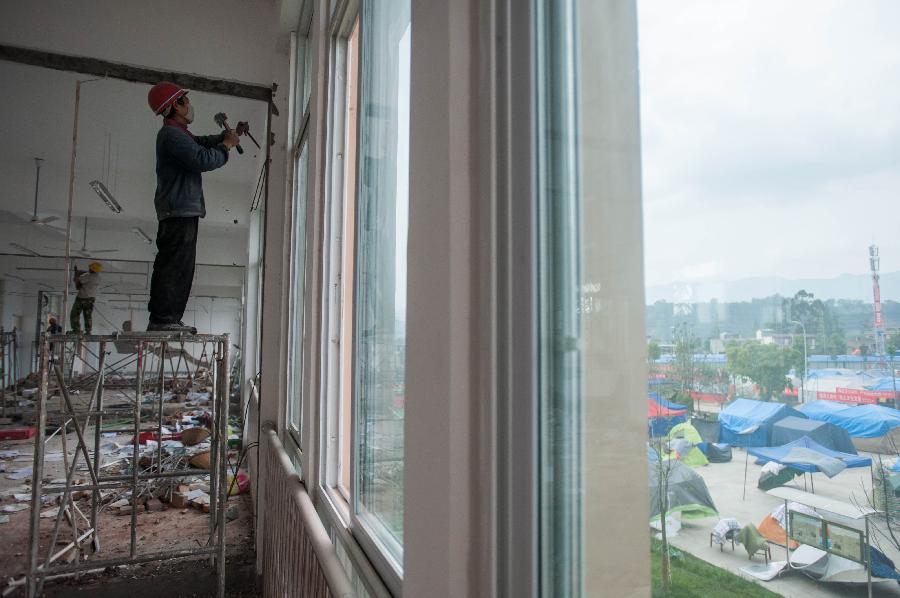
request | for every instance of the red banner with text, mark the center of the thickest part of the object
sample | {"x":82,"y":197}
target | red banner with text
{"x":855,"y":396}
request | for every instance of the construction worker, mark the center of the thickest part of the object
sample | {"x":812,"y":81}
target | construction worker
{"x":87,"y":282}
{"x":181,"y":157}
{"x":53,"y":328}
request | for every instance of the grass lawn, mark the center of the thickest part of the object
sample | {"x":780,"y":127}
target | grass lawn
{"x":695,"y":578}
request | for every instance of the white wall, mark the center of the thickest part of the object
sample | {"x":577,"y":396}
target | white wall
{"x":229,"y":39}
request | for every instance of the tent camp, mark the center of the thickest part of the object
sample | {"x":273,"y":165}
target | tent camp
{"x":873,"y":428}
{"x":665,"y":402}
{"x":826,"y":567}
{"x":744,"y":414}
{"x":708,"y":428}
{"x":661,"y":420}
{"x":687,"y":491}
{"x":809,"y":456}
{"x":828,"y":435}
{"x":687,"y":451}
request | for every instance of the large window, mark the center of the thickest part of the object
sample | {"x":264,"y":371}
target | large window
{"x":299,"y":115}
{"x":770,"y":133}
{"x":380,"y":310}
{"x":364,"y":261}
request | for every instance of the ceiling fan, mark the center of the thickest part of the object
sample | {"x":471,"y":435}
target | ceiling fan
{"x":37,"y":185}
{"x":84,"y":251}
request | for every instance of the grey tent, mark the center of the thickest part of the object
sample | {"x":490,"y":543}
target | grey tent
{"x":828,"y":435}
{"x":688,"y":493}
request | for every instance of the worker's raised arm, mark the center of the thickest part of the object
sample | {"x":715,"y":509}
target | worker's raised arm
{"x":189,"y":153}
{"x":210,"y":140}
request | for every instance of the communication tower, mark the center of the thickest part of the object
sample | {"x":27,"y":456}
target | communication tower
{"x":874,"y":263}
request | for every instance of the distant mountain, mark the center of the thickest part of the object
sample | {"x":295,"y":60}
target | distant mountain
{"x":845,"y":286}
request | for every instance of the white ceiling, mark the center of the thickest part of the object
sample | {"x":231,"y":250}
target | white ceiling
{"x":37,"y":122}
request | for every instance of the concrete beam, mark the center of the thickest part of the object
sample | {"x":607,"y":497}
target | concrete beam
{"x":134,"y":74}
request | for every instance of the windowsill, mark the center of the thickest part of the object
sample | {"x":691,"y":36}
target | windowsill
{"x":337,"y":510}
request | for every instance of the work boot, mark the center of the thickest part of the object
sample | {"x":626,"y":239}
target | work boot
{"x":173,"y":327}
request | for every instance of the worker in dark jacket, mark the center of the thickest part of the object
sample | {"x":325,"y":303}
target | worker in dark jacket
{"x":181,"y":158}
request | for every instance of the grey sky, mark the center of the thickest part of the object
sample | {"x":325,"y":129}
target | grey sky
{"x":771,"y":137}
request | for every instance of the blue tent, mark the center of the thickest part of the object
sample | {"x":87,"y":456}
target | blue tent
{"x":660,"y":426}
{"x":666,"y":403}
{"x":885,"y":383}
{"x":743,"y":414}
{"x":820,"y":409}
{"x":861,"y":421}
{"x":828,"y":435}
{"x":777,"y":453}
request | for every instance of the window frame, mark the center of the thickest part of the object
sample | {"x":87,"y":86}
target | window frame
{"x":337,"y":505}
{"x":299,"y":125}
{"x":339,"y":31}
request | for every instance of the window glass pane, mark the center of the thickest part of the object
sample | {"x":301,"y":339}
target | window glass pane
{"x":559,"y":300}
{"x":770,"y":203}
{"x":382,"y":222}
{"x":345,"y":435}
{"x":298,"y":273}
{"x":307,"y":71}
{"x":302,"y":80}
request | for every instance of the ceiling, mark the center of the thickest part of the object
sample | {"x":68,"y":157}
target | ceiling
{"x":116,"y":145}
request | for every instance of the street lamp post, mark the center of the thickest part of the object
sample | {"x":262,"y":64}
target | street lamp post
{"x":805,"y":363}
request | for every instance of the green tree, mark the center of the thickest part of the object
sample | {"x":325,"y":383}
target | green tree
{"x":892,"y":344}
{"x":766,"y":365}
{"x":653,"y":351}
{"x":684,"y":366}
{"x":835,"y":344}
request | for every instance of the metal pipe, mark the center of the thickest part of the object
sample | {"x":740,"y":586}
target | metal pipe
{"x":142,"y":558}
{"x":81,"y":442}
{"x":65,"y":305}
{"x":162,"y":389}
{"x":223,"y":392}
{"x":37,"y":472}
{"x":214,"y":459}
{"x":98,"y":393}
{"x":136,"y":452}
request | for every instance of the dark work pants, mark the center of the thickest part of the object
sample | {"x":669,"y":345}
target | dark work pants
{"x":173,"y":269}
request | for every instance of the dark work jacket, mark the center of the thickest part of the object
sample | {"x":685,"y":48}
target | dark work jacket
{"x":180,"y":159}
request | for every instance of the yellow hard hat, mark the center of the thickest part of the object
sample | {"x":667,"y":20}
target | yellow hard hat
{"x":95,"y":267}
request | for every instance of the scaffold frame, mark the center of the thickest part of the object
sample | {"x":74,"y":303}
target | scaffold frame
{"x":79,"y":350}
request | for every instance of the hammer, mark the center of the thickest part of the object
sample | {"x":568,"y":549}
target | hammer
{"x":222,"y":121}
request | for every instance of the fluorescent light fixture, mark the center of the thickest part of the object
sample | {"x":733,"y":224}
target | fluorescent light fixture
{"x":26,"y":250}
{"x":110,"y":201}
{"x":144,"y":236}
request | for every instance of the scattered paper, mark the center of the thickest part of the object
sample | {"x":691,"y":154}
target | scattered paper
{"x":20,"y":474}
{"x":49,"y":513}
{"x":22,"y":497}
{"x":194,"y":494}
{"x":8,"y":454}
{"x":4,"y":518}
{"x":14,"y":508}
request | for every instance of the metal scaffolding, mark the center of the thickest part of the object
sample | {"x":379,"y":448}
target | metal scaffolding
{"x":81,"y":364}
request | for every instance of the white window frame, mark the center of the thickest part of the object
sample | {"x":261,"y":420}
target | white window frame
{"x":298,"y":123}
{"x":336,"y":504}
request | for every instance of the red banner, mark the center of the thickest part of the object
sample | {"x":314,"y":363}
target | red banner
{"x":709,"y":397}
{"x":855,"y":396}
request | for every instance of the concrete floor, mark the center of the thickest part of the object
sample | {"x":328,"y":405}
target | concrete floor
{"x":725,"y":483}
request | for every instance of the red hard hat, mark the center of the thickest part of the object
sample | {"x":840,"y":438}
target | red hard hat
{"x":162,"y":95}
